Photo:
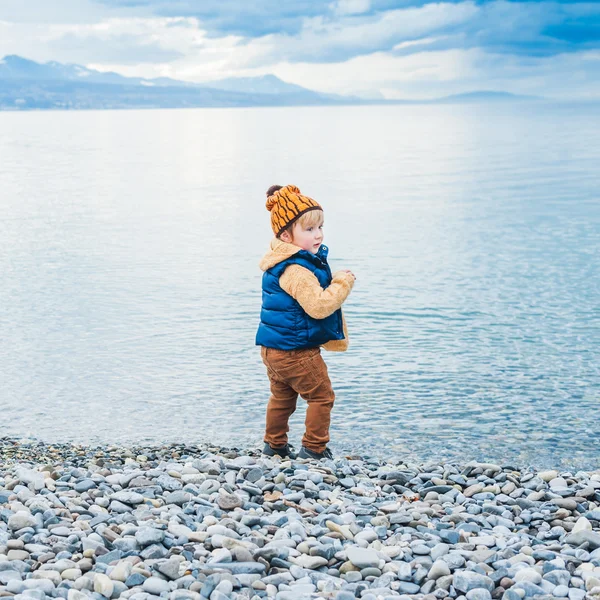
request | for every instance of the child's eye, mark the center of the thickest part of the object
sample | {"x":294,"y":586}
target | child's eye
{"x":309,"y":229}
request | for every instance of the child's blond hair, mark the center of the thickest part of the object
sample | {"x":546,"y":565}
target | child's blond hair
{"x":312,"y":218}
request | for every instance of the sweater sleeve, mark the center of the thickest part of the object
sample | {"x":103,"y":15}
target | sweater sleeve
{"x":319,"y":303}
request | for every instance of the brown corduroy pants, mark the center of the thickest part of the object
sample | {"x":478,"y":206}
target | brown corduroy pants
{"x":293,"y":372}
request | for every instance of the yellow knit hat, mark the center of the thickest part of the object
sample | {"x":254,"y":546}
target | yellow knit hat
{"x":287,"y":205}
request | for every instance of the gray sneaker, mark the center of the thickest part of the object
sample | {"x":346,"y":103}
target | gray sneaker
{"x":306,"y":453}
{"x":286,"y":451}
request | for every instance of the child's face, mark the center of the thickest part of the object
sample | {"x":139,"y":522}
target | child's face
{"x":308,"y":238}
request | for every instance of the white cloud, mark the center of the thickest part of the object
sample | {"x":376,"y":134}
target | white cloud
{"x":351,"y":7}
{"x":25,"y":40}
{"x":440,"y":73}
{"x":412,"y":44}
{"x":45,"y":12}
{"x":321,"y":40}
{"x":119,"y":42}
{"x":395,"y":76}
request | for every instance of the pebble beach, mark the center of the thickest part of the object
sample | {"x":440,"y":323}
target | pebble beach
{"x":201,"y":522}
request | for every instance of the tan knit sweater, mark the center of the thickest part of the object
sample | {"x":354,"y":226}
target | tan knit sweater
{"x":304,"y":287}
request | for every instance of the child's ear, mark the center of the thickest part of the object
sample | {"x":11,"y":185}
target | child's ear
{"x":286,"y":237}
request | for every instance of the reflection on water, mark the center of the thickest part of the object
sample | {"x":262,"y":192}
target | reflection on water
{"x":130,"y":289}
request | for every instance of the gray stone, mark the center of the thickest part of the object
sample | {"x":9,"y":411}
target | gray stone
{"x":465,"y":581}
{"x":128,"y":497}
{"x":17,"y":555}
{"x":169,"y":483}
{"x":134,"y":580}
{"x":63,"y":564}
{"x":225,"y":587}
{"x":30,"y":476}
{"x":581,"y":537}
{"x":84,"y":485}
{"x":118,"y":589}
{"x":40,"y":584}
{"x":34,"y":594}
{"x":179,"y":497}
{"x":154,"y":551}
{"x":370,"y":572}
{"x":352,"y":576}
{"x":9,"y":575}
{"x":362,"y":557}
{"x":438,"y":569}
{"x":400,"y":519}
{"x":140,"y":482}
{"x":439,"y":550}
{"x":156,"y":586}
{"x":184,"y":594}
{"x":576,"y":594}
{"x":454,"y":560}
{"x":101,"y":518}
{"x":310,"y":562}
{"x":343,"y":595}
{"x":450,"y":536}
{"x":223,"y":555}
{"x":404,"y":571}
{"x":146,"y":536}
{"x":528,"y":574}
{"x":74,"y":594}
{"x":241,"y":567}
{"x":109,"y":557}
{"x":21,"y":519}
{"x":560,"y":591}
{"x":169,"y":568}
{"x":543,"y":554}
{"x":478,"y":594}
{"x":103,"y":585}
{"x":121,"y":571}
{"x":229,"y":501}
{"x":126,"y":544}
{"x":406,"y":587}
{"x":558,"y":577}
{"x":120,"y":507}
{"x":530,"y":589}
{"x":15,"y":587}
{"x":278,"y":578}
{"x":254,"y":475}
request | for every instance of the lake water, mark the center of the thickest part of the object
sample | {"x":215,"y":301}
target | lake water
{"x":130,"y":291}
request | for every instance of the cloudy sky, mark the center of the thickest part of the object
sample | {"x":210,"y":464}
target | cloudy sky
{"x":391,"y":48}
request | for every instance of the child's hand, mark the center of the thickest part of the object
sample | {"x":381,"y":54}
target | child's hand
{"x":350,"y":273}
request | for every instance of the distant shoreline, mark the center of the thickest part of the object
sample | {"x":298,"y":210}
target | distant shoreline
{"x":402,"y":103}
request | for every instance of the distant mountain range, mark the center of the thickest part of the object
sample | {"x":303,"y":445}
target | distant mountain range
{"x":28,"y":85}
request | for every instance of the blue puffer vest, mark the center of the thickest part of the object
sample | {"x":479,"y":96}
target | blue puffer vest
{"x":283,"y":323}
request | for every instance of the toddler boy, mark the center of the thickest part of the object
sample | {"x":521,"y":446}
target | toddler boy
{"x":301,"y":311}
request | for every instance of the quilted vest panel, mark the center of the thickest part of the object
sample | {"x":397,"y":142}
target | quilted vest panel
{"x":284,"y":324}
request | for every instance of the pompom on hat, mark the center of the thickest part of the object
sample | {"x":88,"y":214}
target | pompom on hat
{"x":287,"y":205}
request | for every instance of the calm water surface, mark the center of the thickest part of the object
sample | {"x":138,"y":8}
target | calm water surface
{"x":130,"y":292}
